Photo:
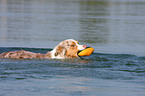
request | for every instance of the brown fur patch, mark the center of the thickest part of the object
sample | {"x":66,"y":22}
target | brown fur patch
{"x":59,"y":50}
{"x":72,"y":51}
{"x":40,"y":55}
{"x":22,"y":54}
{"x":48,"y":55}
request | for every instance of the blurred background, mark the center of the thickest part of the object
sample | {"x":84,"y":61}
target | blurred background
{"x":110,"y":26}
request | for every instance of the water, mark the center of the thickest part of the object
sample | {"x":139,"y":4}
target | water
{"x":115,"y":28}
{"x":98,"y":74}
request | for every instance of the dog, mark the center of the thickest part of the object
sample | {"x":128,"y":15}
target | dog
{"x":65,"y":49}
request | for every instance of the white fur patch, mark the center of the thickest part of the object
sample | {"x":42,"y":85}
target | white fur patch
{"x":80,"y":47}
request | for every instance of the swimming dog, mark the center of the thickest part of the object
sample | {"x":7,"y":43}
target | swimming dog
{"x":65,"y":49}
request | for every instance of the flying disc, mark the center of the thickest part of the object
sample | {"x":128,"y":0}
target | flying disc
{"x":86,"y":52}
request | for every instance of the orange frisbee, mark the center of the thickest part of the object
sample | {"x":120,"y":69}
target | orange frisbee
{"x":86,"y":52}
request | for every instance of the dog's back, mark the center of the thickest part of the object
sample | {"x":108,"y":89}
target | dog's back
{"x":21,"y":54}
{"x":65,"y":49}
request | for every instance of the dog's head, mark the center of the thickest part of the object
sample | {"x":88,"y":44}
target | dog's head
{"x":67,"y":49}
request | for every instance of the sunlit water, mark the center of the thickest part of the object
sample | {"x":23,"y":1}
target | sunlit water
{"x":115,"y":28}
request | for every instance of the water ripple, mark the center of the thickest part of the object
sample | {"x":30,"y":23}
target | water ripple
{"x":98,"y":65}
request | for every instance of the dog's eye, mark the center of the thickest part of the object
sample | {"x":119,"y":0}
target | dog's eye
{"x":73,"y":45}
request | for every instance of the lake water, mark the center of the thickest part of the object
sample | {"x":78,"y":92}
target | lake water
{"x":114,"y":28}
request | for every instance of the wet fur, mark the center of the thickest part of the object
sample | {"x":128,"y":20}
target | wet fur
{"x":66,"y":49}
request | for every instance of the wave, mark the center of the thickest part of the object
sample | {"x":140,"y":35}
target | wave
{"x":98,"y":65}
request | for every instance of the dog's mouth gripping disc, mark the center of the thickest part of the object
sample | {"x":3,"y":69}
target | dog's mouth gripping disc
{"x":86,"y":52}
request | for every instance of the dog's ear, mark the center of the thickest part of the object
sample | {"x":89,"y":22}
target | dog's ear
{"x":71,"y":53}
{"x":60,"y":51}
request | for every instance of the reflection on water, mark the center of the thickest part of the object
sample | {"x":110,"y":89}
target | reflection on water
{"x":93,"y":22}
{"x":117,"y":25}
{"x":111,"y":26}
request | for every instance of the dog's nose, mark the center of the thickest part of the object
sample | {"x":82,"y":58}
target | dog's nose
{"x":85,"y":46}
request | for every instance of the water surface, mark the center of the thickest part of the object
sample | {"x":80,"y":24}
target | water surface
{"x":98,"y":74}
{"x":115,"y":28}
